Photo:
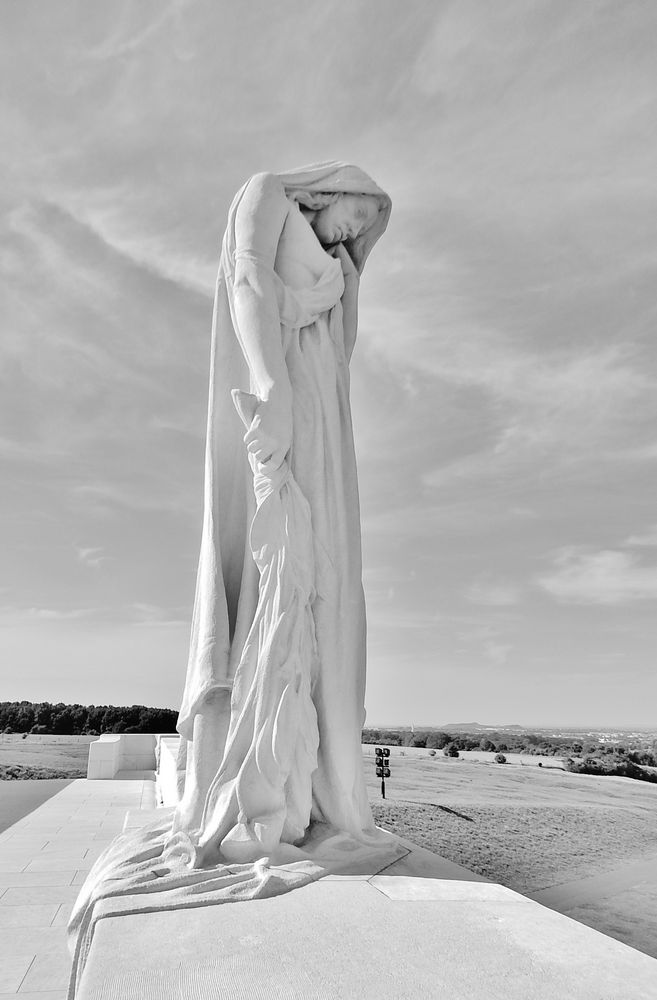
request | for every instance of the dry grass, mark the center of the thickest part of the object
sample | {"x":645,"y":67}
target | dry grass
{"x":527,"y":827}
{"x":45,"y":756}
{"x":525,"y":848}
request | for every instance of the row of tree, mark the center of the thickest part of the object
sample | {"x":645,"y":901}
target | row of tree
{"x":83,"y":720}
{"x":529,"y":743}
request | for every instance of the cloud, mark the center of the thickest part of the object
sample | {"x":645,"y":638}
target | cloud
{"x":493,"y":592}
{"x":648,"y":539}
{"x":497,"y":652}
{"x":153,"y":615}
{"x":606,"y":577}
{"x":128,"y":39}
{"x":137,"y":614}
{"x":142,"y":492}
{"x":106,"y":214}
{"x":91,"y":556}
{"x":11,"y":615}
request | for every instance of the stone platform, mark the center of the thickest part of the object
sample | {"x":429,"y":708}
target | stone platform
{"x":44,"y":859}
{"x":421,"y":927}
{"x":385,"y":937}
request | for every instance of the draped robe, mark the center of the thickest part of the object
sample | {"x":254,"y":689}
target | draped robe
{"x":298,"y":758}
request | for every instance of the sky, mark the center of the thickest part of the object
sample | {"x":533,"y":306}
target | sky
{"x":503,"y":383}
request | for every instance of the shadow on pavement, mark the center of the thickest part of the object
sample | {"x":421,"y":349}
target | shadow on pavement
{"x":18,"y":798}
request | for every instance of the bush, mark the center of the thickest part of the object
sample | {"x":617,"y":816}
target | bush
{"x":451,"y":751}
{"x":432,"y":753}
{"x":500,"y":758}
{"x":619,"y":766}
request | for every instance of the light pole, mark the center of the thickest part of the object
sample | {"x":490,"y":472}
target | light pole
{"x":382,"y":761}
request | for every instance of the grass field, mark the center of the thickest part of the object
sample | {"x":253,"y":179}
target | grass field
{"x":66,"y":756}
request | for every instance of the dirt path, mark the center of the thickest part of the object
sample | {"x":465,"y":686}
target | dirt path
{"x":18,"y":798}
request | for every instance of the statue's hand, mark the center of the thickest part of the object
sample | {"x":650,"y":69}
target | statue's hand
{"x":269,"y":435}
{"x":340,"y":252}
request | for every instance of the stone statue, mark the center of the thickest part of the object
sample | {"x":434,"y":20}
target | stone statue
{"x":273,"y":705}
{"x":274,"y":701}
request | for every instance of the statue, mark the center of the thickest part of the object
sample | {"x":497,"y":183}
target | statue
{"x":273,"y":705}
{"x":273,"y":709}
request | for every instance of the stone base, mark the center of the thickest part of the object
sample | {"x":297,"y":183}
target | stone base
{"x":421,"y":927}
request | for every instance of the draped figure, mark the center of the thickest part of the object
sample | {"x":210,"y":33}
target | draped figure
{"x":304,"y":737}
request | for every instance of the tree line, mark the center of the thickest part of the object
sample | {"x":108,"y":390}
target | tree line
{"x":528,"y":743}
{"x":44,"y":717}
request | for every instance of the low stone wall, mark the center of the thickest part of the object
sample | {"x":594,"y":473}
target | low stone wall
{"x":121,"y":752}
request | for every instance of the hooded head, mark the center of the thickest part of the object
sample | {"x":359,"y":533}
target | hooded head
{"x":321,"y":184}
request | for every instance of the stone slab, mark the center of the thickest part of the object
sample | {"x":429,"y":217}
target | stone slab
{"x":13,"y":971}
{"x":348,"y":939}
{"x":28,"y":915}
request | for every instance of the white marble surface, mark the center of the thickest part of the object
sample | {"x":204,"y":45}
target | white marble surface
{"x":112,"y":753}
{"x":43,"y":860}
{"x":386,"y":937}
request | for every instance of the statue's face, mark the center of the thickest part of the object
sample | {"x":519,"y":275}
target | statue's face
{"x":346,"y":218}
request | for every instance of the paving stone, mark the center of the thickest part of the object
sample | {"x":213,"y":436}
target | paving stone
{"x":13,"y":971}
{"x":36,"y":915}
{"x":35,"y":895}
{"x":10,"y":880}
{"x":55,"y":864}
{"x":31,"y":941}
{"x":41,"y":995}
{"x":62,"y":915}
{"x":48,"y":972}
{"x":12,"y":865}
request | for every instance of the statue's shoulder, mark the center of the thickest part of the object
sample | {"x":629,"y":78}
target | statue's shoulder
{"x":261,"y":214}
{"x":265,"y":187}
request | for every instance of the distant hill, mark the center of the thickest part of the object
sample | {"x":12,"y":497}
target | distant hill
{"x":478,"y":727}
{"x":453,"y":727}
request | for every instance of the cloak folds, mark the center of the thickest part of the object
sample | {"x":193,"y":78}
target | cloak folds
{"x":323,"y":706}
{"x":226,"y":569}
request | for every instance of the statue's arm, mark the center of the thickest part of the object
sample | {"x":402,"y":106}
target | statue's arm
{"x":349,"y":298}
{"x":258,"y":225}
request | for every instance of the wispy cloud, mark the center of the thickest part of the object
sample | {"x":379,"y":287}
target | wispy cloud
{"x":127,"y":39}
{"x":91,"y":556}
{"x":106,"y":214}
{"x":649,"y":538}
{"x":493,"y":592}
{"x":137,"y":614}
{"x":11,"y":615}
{"x":607,"y":577}
{"x":497,"y":652}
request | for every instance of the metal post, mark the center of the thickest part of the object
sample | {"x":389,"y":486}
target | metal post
{"x":382,"y":761}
